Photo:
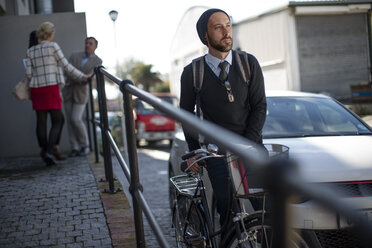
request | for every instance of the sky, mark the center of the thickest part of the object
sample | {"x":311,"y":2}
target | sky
{"x":144,"y":29}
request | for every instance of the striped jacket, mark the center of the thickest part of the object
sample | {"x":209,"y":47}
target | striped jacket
{"x":44,"y":65}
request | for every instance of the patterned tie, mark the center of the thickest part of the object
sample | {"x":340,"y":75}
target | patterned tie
{"x":223,"y":73}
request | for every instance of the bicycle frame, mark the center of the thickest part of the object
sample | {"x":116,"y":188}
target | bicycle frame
{"x":193,"y":188}
{"x":185,"y":185}
{"x":247,"y":229}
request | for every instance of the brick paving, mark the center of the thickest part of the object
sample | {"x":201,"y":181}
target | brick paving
{"x":119,"y":215}
{"x":60,"y":206}
{"x":153,"y":171}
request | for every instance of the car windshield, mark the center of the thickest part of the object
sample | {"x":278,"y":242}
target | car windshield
{"x":309,"y":116}
{"x":145,"y":109}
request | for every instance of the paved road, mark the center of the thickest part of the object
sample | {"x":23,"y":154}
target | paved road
{"x":153,"y":169}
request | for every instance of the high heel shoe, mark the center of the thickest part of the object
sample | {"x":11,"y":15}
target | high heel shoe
{"x":48,"y":159}
{"x":57,"y":154}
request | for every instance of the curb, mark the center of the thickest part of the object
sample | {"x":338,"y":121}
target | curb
{"x":116,"y":206}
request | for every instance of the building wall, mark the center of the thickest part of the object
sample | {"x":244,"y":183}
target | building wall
{"x":185,"y":46}
{"x":27,"y":7}
{"x":18,"y":123}
{"x":333,"y":52}
{"x":63,"y":6}
{"x":266,"y":37}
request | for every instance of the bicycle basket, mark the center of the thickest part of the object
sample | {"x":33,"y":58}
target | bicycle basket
{"x":185,"y":184}
{"x":245,"y":182}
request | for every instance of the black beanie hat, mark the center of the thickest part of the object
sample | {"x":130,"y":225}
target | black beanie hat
{"x":202,"y":24}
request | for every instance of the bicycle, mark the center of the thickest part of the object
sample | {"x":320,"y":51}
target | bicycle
{"x":195,"y":226}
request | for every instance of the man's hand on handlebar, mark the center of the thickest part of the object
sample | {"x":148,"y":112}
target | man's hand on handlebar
{"x":194,"y":168}
{"x":196,"y":158}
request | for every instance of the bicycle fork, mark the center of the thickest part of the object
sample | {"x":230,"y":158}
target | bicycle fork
{"x":238,"y":220}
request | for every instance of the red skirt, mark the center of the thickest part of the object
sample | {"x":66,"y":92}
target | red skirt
{"x":46,"y":98}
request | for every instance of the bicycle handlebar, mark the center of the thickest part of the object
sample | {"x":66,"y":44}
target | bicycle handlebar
{"x":204,"y":155}
{"x":193,"y":153}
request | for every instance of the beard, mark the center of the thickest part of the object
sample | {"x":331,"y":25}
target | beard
{"x":219,"y":46}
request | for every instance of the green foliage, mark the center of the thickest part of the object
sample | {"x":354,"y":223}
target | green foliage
{"x":125,"y":69}
{"x":140,"y":73}
{"x":143,"y":75}
{"x":162,"y":87}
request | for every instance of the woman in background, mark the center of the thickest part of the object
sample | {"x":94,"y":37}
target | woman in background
{"x":43,"y":69}
{"x":33,"y":40}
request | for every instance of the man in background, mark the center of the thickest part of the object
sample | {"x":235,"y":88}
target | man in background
{"x":75,"y":97}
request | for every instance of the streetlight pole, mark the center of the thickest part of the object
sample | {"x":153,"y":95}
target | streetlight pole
{"x":114,"y":15}
{"x":137,"y":209}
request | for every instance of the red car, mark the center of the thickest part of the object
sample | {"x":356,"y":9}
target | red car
{"x":151,"y":124}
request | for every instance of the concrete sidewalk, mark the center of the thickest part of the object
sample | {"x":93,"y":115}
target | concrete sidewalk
{"x":61,"y":206}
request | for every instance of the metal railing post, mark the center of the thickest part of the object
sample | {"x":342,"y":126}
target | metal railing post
{"x":104,"y":121}
{"x":274,"y":179}
{"x":87,"y":119}
{"x":93,"y":121}
{"x":135,"y":185}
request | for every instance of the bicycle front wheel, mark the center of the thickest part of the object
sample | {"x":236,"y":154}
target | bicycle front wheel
{"x":179,"y":217}
{"x":190,"y":225}
{"x":196,"y":228}
{"x":260,"y":234}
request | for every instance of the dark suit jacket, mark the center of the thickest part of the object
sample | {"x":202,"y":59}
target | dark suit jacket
{"x":75,"y":90}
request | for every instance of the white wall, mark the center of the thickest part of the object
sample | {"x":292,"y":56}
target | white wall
{"x":265,"y":37}
{"x":185,"y":46}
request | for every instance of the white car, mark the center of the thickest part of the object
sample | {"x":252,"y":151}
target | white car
{"x":331,"y":144}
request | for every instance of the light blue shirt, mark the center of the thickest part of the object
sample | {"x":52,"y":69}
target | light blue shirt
{"x":85,"y":59}
{"x":213,"y":63}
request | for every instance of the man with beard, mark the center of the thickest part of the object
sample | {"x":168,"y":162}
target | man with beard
{"x":225,"y":97}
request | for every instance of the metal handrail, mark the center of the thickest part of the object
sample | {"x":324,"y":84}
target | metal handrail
{"x":279,"y":176}
{"x":90,"y":119}
{"x":132,"y":175}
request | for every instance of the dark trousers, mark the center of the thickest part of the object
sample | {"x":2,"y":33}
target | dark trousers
{"x":55,"y":131}
{"x":219,"y":177}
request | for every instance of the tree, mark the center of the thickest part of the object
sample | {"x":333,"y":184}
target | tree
{"x":162,"y":87}
{"x":125,"y":69}
{"x":142,"y":75}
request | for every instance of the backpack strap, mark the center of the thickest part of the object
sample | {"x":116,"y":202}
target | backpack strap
{"x":243,"y":64}
{"x":198,"y":76}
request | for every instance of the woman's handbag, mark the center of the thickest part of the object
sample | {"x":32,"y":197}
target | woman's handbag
{"x":22,"y":91}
